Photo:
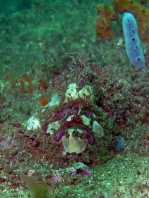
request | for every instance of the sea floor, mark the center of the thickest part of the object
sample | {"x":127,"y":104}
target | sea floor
{"x":43,"y":49}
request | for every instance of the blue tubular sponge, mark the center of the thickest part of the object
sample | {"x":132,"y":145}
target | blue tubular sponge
{"x":132,"y":41}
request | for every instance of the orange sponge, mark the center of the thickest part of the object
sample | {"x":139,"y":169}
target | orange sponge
{"x":104,"y":22}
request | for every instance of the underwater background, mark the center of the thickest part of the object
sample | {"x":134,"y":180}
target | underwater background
{"x":74,"y":100}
